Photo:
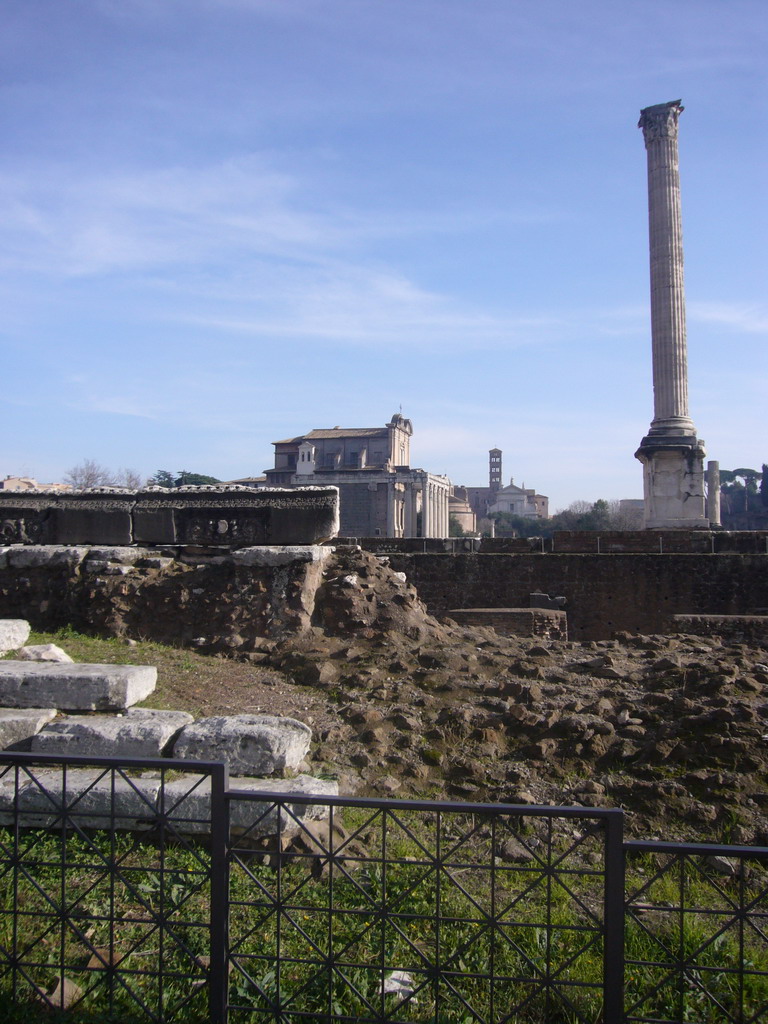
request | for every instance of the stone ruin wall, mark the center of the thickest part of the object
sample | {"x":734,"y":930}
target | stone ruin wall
{"x":230,"y":517}
{"x":217,"y":602}
{"x":232,"y":599}
{"x":240,"y":602}
{"x":171,"y":570}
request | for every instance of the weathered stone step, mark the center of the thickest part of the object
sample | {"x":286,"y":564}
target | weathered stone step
{"x":247,"y":744}
{"x":25,"y":684}
{"x":140,"y":732}
{"x":139,"y":803}
{"x":19,"y":724}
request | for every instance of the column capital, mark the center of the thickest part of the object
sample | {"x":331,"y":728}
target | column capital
{"x":660,"y":121}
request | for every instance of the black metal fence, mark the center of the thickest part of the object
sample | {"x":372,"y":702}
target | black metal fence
{"x":696,"y":933}
{"x":141,"y":891}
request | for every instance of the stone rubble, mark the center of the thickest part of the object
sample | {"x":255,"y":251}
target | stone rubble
{"x":13,"y":633}
{"x":672,"y":728}
{"x":43,"y":652}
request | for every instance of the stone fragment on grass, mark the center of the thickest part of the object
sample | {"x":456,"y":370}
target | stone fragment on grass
{"x":248,"y":744}
{"x":44,"y":652}
{"x":513,"y":851}
{"x":13,"y":634}
{"x":722,"y":865}
{"x":62,"y":996}
{"x":88,"y":797}
{"x":253,"y":816}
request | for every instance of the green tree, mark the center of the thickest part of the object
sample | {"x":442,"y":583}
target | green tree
{"x":580,"y":515}
{"x":455,"y":529}
{"x":187,"y":479}
{"x":163,"y":478}
{"x":739,"y":490}
{"x":183,"y":478}
{"x":509,"y":525}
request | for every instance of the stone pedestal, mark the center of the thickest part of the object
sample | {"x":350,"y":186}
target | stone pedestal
{"x":673,"y":485}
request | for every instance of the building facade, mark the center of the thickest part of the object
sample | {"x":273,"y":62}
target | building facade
{"x":380,"y":494}
{"x":518,"y":501}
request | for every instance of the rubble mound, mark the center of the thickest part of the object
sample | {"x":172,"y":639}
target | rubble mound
{"x":362,"y":596}
{"x":672,"y":728}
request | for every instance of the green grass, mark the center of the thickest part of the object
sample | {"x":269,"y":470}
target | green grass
{"x":186,"y":680}
{"x":540,"y":915}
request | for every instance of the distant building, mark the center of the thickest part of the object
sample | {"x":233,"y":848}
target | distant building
{"x":28,"y":483}
{"x":460,"y":510}
{"x":518,"y":501}
{"x":249,"y":481}
{"x":380,"y":494}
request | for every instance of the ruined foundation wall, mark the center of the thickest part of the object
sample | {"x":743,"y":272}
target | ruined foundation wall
{"x":215,"y":603}
{"x":606,"y":594}
{"x":240,"y":602}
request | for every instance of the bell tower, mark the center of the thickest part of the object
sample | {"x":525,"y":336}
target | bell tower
{"x":494,"y":470}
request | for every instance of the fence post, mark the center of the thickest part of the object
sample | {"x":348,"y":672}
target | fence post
{"x":218,"y":977}
{"x":613,"y":922}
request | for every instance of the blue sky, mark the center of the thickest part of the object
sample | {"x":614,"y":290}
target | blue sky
{"x":225,"y":222}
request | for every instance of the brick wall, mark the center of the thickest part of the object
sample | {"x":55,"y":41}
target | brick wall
{"x":637,"y":593}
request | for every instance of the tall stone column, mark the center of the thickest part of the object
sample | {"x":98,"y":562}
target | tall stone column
{"x":426,"y":509}
{"x":713,"y":493}
{"x":671,"y":454}
{"x":391,"y":518}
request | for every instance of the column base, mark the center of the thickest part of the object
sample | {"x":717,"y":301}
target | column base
{"x":673,"y":483}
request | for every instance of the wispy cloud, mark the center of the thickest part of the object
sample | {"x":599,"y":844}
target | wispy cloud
{"x":347,"y":304}
{"x":63,"y":221}
{"x":750,"y":318}
{"x":74,"y":224}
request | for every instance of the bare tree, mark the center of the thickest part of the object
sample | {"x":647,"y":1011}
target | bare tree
{"x":89,"y":474}
{"x":625,"y":516}
{"x":129,"y":478}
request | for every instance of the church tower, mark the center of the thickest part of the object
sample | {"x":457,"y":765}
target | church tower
{"x":494,"y":470}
